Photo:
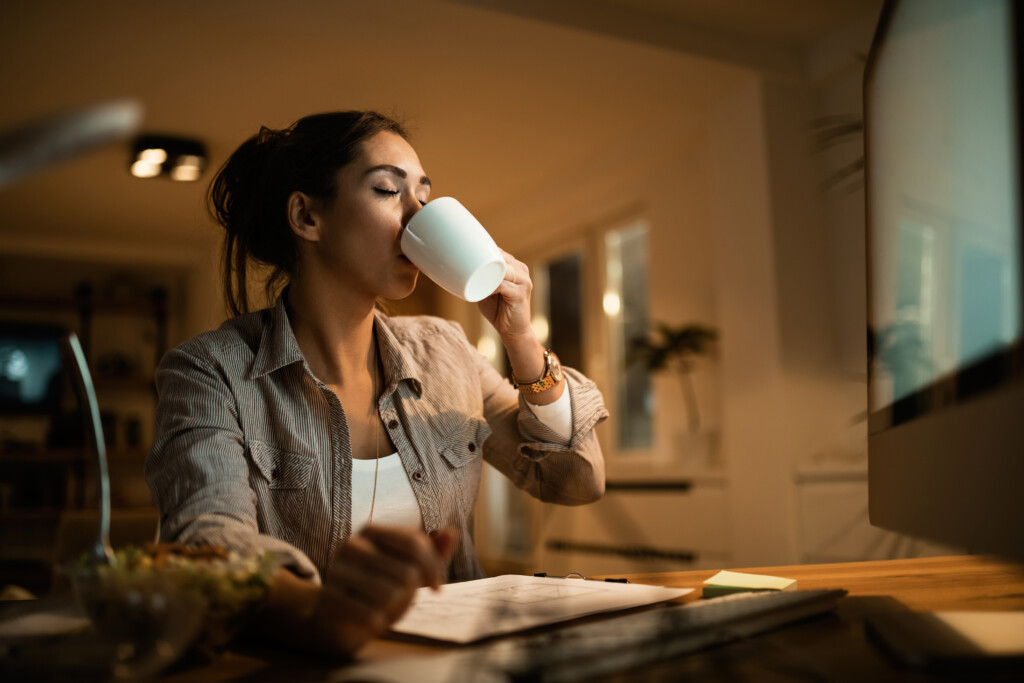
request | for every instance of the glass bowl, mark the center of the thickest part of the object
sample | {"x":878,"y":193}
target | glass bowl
{"x":158,"y":604}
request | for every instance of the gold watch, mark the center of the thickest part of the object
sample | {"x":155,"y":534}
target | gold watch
{"x":552,"y":375}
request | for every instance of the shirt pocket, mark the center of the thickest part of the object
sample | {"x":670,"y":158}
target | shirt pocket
{"x":282,"y":491}
{"x":282,"y":469}
{"x":465,"y":444}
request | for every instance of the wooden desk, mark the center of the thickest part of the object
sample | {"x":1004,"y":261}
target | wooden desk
{"x":831,"y":647}
{"x":928,"y":584}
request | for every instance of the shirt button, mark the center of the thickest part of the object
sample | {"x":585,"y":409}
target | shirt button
{"x":393,"y":424}
{"x":418,"y":475}
{"x":275,"y":473}
{"x":471,"y":447}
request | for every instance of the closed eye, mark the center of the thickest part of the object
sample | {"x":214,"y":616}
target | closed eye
{"x":385,"y":191}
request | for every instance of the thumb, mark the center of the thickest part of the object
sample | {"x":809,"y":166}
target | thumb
{"x":444,"y":541}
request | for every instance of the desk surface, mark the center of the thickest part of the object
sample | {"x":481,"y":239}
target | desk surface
{"x":828,"y":647}
{"x":926,"y":584}
{"x":940,"y":583}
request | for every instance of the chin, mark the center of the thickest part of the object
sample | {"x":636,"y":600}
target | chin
{"x":402,"y":290}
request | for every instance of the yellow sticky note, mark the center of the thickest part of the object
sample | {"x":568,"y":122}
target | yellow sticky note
{"x":725,"y":582}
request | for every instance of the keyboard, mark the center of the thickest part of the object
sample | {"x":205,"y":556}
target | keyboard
{"x":583,"y":651}
{"x":613,"y":644}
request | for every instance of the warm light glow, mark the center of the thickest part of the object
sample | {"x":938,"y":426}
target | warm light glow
{"x":185,"y":172}
{"x":487,"y":348}
{"x":188,"y":167}
{"x":541,"y":328}
{"x":145,"y":169}
{"x":612,"y":303}
{"x":153,"y":156}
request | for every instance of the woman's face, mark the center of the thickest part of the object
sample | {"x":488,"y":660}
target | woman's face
{"x":377,"y":194}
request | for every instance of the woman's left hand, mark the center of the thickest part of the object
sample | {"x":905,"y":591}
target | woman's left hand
{"x":508,"y":309}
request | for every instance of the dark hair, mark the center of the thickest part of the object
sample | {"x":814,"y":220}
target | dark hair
{"x":249,"y":194}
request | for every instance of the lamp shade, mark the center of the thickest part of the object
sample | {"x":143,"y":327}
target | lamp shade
{"x":38,"y":144}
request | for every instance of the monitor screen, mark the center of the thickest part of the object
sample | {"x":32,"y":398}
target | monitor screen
{"x":31,"y":377}
{"x":945,"y":244}
{"x":943,"y":187}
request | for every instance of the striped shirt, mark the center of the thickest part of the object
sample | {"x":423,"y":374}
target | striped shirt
{"x":252,"y":450}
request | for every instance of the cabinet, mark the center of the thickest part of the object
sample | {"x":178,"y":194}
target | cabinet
{"x":47,"y":468}
{"x":833,"y":523}
{"x":641,"y":527}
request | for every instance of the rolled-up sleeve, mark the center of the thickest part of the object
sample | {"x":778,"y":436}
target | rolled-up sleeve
{"x":531,"y":454}
{"x":198,"y":470}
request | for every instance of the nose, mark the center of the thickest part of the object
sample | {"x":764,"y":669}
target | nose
{"x":412,"y":205}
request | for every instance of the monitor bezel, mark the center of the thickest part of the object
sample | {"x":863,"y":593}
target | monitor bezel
{"x":947,"y":462}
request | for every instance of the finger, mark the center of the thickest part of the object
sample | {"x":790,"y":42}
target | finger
{"x":373,"y":576}
{"x":347,"y":621}
{"x":361,"y":581}
{"x":382,"y":562}
{"x":413,"y":546}
{"x":516,"y":271}
{"x":444,"y":541}
{"x":511,"y":269}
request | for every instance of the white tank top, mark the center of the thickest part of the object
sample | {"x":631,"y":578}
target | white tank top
{"x":396,"y":503}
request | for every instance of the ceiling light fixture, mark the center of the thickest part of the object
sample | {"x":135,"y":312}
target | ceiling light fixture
{"x":163,"y":155}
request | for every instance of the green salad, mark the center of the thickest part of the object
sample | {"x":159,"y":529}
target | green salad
{"x":226,"y":579}
{"x":144,"y":584}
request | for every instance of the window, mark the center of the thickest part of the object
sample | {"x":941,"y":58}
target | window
{"x":625,"y":308}
{"x":558,"y":306}
{"x":589,"y":303}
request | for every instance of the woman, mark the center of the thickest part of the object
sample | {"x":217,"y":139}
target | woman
{"x":346,"y":441}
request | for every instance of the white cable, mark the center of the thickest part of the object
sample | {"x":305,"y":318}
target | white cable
{"x":376,"y":432}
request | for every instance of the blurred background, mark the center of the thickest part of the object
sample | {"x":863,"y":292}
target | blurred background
{"x":685,"y":172}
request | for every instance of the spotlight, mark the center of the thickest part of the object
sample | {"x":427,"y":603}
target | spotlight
{"x":163,"y":155}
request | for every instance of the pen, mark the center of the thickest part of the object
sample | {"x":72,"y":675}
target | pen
{"x":576,"y":575}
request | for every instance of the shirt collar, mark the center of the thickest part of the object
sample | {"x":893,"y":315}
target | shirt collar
{"x":278,"y":348}
{"x":398,"y":366}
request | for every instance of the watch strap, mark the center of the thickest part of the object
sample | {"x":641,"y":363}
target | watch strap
{"x":545,"y":381}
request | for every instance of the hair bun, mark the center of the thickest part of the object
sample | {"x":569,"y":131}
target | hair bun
{"x":249,"y":195}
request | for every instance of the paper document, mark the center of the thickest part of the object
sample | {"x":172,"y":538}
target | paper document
{"x":468,"y":611}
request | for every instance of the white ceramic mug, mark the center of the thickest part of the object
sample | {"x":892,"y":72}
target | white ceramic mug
{"x":453,"y":249}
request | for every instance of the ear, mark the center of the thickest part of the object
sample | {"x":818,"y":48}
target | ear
{"x":302,"y":216}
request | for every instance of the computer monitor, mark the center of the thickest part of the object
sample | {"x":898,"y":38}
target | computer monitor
{"x":943,"y":151}
{"x":31,"y":379}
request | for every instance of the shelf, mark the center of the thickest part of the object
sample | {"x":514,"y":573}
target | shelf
{"x":45,"y":304}
{"x":45,"y":455}
{"x":38,"y":514}
{"x":124,"y":384}
{"x":123,"y":328}
{"x":72,"y":455}
{"x":148,"y":304}
{"x":127,"y":455}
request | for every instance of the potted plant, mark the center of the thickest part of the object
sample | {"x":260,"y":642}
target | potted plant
{"x":675,"y":348}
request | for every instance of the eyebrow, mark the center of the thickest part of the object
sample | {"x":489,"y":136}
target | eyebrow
{"x":389,"y":168}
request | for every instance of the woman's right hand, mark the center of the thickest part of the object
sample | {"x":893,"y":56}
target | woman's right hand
{"x":373,"y":580}
{"x":368,"y":587}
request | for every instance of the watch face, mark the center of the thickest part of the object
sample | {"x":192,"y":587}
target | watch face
{"x":554,"y":365}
